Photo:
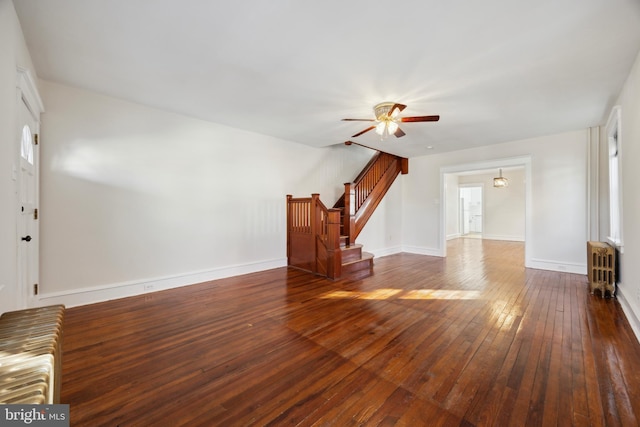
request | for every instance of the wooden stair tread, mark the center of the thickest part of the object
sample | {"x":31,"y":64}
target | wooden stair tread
{"x":358,"y":268}
{"x":351,"y":247}
{"x":366,"y":256}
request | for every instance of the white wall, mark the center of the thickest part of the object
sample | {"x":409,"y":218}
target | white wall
{"x":382,"y":235}
{"x":629,"y":288}
{"x":558,"y":211}
{"x":13,"y":54}
{"x":452,"y":220}
{"x":135,"y":199}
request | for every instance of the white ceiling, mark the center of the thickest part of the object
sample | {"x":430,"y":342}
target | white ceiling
{"x":494,"y":70}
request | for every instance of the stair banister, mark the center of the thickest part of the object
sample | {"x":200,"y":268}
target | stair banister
{"x":349,"y":217}
{"x":362,"y":196}
{"x":334,"y":254}
{"x":318,"y":239}
{"x":313,"y":236}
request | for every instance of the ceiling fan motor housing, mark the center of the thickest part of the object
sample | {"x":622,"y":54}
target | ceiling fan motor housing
{"x":382,"y":110}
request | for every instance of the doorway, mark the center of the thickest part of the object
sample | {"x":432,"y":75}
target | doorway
{"x":471,"y":210}
{"x":449,"y":178}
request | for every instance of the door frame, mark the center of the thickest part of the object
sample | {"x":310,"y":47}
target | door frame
{"x":27,"y":93}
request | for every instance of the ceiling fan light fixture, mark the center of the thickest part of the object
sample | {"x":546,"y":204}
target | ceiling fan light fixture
{"x":386,"y":117}
{"x":500,"y":181}
{"x":386,"y":127}
{"x":387,"y":120}
{"x":381,"y":110}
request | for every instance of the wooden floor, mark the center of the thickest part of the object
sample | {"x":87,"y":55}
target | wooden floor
{"x":473,"y":339}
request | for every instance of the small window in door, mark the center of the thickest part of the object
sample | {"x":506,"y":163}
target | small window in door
{"x":26,"y":146}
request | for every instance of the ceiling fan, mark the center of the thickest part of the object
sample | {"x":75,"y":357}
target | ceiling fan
{"x":387,"y":119}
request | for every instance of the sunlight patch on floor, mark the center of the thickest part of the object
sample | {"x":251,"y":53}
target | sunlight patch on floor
{"x":416,"y":294}
{"x":441,"y":294}
{"x":378,"y":294}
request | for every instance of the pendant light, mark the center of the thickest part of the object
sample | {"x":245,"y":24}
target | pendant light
{"x":500,"y":182}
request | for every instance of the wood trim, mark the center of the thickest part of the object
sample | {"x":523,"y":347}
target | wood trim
{"x":374,"y":199}
{"x":313,"y":236}
{"x":357,"y":213}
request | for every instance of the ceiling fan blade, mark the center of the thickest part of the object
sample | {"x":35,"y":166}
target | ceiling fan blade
{"x":366,"y":130}
{"x":358,"y":120}
{"x":399,"y":133}
{"x":399,"y":107}
{"x":420,"y":119}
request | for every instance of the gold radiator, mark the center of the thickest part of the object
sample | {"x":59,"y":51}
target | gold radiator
{"x":31,"y":355}
{"x":601,"y":268}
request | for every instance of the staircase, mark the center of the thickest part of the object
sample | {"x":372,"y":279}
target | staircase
{"x":356,"y":263}
{"x":322,"y":240}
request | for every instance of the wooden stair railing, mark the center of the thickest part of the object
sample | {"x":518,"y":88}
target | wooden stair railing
{"x":322,"y":240}
{"x":313,"y":236}
{"x":362,"y":196}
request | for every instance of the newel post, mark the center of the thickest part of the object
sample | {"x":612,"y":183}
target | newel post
{"x":314,"y":217}
{"x":349,"y":224}
{"x":315,"y":223}
{"x":404,"y":165}
{"x":334,"y":254}
{"x":289,"y":227}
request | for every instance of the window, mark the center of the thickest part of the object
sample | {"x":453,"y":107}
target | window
{"x":615,"y":178}
{"x":26,"y":145}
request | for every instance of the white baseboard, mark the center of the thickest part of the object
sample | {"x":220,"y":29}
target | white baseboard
{"x":453,"y":236}
{"x":503,"y":237}
{"x":422,"y":250}
{"x":565,"y":267}
{"x":386,"y":251}
{"x":84,"y":296}
{"x":629,"y":311}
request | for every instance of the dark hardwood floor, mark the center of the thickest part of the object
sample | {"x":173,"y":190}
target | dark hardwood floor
{"x":473,"y":339}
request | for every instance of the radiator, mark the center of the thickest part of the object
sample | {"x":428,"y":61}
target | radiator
{"x":601,"y":268}
{"x":31,"y":355}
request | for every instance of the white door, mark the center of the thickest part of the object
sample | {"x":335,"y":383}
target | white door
{"x":471,"y":209}
{"x":28,"y":235}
